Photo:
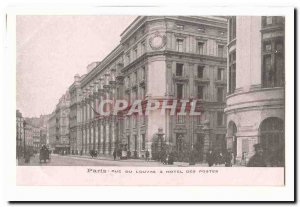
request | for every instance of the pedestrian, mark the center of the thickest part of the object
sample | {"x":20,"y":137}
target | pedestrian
{"x":257,"y":160}
{"x":115,"y":154}
{"x":147,"y":156}
{"x":210,"y":158}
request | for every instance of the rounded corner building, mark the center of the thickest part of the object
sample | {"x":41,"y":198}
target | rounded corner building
{"x":255,"y":88}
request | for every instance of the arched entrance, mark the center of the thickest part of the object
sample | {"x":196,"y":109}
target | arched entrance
{"x":272,"y":141}
{"x":232,"y":139}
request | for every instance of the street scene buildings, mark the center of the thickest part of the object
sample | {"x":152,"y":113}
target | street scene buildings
{"x":231,"y":67}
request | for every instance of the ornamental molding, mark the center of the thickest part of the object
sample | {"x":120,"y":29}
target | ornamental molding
{"x":157,"y":41}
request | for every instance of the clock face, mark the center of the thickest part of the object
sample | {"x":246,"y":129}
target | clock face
{"x":157,"y":41}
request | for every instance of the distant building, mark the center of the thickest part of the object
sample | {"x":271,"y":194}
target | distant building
{"x":61,"y":142}
{"x":51,"y":130}
{"x":28,"y":138}
{"x":75,"y":116}
{"x":255,"y":90}
{"x":19,"y":133}
{"x":36,"y":138}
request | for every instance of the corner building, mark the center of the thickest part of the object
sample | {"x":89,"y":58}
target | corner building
{"x":158,"y":58}
{"x":255,"y":100}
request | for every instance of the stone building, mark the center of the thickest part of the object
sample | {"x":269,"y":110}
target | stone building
{"x":158,"y":58}
{"x":51,"y":130}
{"x":75,"y":116}
{"x":59,"y":127}
{"x":19,"y":133}
{"x":255,"y":100}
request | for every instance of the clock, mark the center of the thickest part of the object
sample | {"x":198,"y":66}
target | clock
{"x":157,"y":41}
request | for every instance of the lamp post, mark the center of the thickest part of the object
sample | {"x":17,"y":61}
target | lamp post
{"x":24,"y":125}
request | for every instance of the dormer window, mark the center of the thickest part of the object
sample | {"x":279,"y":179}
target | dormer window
{"x":180,"y":27}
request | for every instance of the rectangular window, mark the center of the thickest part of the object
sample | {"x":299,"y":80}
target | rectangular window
{"x":128,"y":142}
{"x":232,"y":72}
{"x":220,"y":50}
{"x":220,"y":94}
{"x":180,"y":119}
{"x":200,"y":71}
{"x":220,"y":73}
{"x":128,"y":57}
{"x":143,"y":142}
{"x":143,"y":47}
{"x":179,"y":45}
{"x":200,"y":47}
{"x":180,"y":27}
{"x":179,"y":142}
{"x":273,"y":63}
{"x":179,"y":91}
{"x":220,"y":118}
{"x":232,"y":28}
{"x":135,"y":53}
{"x":269,"y":20}
{"x":179,"y":69}
{"x":200,"y":92}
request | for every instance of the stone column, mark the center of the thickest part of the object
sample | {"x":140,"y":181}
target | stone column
{"x":107,"y":138}
{"x":102,"y":136}
{"x":113,"y":136}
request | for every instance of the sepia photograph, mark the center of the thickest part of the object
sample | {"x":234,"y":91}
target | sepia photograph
{"x":150,"y":91}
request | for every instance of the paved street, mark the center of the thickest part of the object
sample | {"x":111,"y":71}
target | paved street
{"x":59,"y":160}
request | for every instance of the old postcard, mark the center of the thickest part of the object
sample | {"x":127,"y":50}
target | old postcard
{"x":152,"y":100}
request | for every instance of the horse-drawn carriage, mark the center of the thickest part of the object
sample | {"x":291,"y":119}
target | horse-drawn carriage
{"x":44,"y":154}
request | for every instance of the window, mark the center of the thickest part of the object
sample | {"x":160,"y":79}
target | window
{"x":201,"y":29}
{"x":135,"y":53}
{"x":179,"y":91}
{"x":200,"y":71}
{"x":268,"y":20}
{"x":220,"y":94}
{"x":143,"y":73}
{"x":128,"y":58}
{"x":220,"y":73}
{"x":180,"y":119}
{"x":232,"y":72}
{"x":220,"y":50}
{"x":179,"y":69}
{"x":179,"y":45}
{"x":128,"y":142}
{"x":143,"y":142}
{"x":179,"y":142}
{"x":232,"y":28}
{"x":200,"y":92}
{"x":273,"y":63}
{"x":180,"y":27}
{"x":143,"y":47}
{"x":272,"y":21}
{"x":220,"y":118}
{"x":200,"y":47}
{"x":142,"y":92}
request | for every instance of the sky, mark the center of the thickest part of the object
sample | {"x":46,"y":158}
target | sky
{"x":52,"y":49}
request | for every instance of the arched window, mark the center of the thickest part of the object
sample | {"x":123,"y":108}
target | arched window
{"x":272,"y":141}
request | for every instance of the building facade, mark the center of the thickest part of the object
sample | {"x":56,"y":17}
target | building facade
{"x":158,"y":58}
{"x":62,"y":132}
{"x":75,"y":116}
{"x":51,"y":126}
{"x":255,"y":89}
{"x":19,"y":133}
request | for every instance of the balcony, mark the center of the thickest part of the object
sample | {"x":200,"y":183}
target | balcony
{"x":180,"y":78}
{"x":220,"y":82}
{"x":202,"y":80}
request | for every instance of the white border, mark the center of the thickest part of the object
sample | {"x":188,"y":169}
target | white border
{"x":147,"y":193}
